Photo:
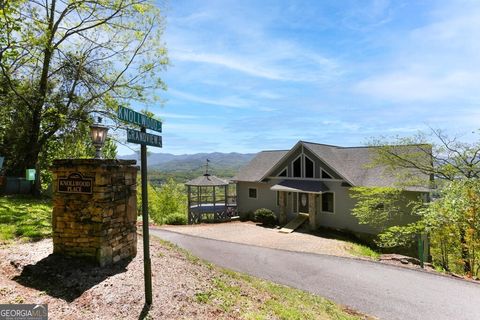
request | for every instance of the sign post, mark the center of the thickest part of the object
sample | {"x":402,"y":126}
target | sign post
{"x":143,"y":138}
{"x":146,"y":235}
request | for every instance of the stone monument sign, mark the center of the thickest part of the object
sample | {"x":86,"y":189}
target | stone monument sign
{"x":95,"y":209}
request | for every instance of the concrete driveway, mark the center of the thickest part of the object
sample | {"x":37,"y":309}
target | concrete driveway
{"x":252,"y":234}
{"x":384,"y":291}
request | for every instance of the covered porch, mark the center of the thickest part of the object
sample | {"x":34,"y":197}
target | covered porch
{"x":305,"y":192}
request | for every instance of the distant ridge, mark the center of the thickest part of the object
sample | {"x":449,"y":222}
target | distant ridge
{"x":219,"y":161}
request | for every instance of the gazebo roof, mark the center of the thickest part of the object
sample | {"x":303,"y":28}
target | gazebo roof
{"x":207,"y":181}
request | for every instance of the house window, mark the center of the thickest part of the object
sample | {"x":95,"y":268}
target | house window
{"x":252,"y":193}
{"x":327,"y":202}
{"x":283,"y":173}
{"x":308,"y":168}
{"x":325,"y":175}
{"x":278,"y":198}
{"x":297,"y":168}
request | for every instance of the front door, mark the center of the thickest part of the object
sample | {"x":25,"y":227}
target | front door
{"x":303,"y":202}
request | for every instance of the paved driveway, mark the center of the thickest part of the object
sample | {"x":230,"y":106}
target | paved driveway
{"x":385,"y":291}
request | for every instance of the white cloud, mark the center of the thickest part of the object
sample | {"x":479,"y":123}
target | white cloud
{"x":412,"y":85}
{"x":231,"y":101}
{"x":166,"y":115}
{"x":230,"y":62}
{"x":435,"y":62}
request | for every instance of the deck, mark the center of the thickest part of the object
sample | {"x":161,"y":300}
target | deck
{"x":210,"y":212}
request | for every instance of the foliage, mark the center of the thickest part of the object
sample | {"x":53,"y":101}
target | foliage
{"x":25,"y":217}
{"x":376,"y":206}
{"x":436,"y":155}
{"x":363,"y":251}
{"x":176,"y":219}
{"x":60,"y":61}
{"x":400,"y":236}
{"x":265,"y":217}
{"x":453,"y":222}
{"x":166,"y":204}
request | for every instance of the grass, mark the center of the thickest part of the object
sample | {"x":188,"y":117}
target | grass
{"x":246,"y":297}
{"x":354,"y":245}
{"x":361,"y":250}
{"x":252,"y":298}
{"x":24,"y":217}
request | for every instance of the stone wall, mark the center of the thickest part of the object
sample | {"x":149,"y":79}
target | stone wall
{"x":97,"y":222}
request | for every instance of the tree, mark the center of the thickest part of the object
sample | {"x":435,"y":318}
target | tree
{"x":451,"y":219}
{"x":376,"y":206}
{"x":166,"y":204}
{"x":61,"y":60}
{"x":445,"y":159}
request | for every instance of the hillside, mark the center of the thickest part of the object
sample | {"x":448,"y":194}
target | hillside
{"x":187,"y":166}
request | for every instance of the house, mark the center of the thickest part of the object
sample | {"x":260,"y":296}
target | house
{"x":316,"y":179}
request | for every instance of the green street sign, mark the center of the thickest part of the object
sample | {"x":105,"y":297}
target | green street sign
{"x":139,"y":119}
{"x":139,"y":137}
{"x":30,"y":174}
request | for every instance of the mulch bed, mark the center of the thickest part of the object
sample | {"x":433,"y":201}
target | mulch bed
{"x":76,"y":289}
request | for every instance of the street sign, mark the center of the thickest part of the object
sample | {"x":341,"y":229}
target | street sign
{"x":139,"y":119}
{"x":135,"y":136}
{"x":143,"y":138}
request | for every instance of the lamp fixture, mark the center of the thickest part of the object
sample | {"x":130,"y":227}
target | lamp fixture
{"x":98,"y":133}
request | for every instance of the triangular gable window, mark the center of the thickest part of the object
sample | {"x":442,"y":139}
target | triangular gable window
{"x":309,"y":168}
{"x":326,"y":175}
{"x":283,"y":173}
{"x":297,"y":168}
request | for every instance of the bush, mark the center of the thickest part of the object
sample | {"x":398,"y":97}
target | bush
{"x":247,"y":216}
{"x":176,"y":219}
{"x":265,"y":217}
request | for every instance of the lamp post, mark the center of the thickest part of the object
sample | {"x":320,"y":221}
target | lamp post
{"x":98,"y":133}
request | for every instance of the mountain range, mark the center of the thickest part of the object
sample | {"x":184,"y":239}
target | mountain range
{"x":219,"y":163}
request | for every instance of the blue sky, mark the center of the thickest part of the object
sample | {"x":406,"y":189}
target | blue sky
{"x":247,"y":76}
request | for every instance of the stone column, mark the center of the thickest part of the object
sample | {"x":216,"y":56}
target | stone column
{"x":282,"y":199}
{"x":312,"y":211}
{"x":95,"y":209}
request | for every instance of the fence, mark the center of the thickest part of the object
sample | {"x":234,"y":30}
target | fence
{"x":15,"y":185}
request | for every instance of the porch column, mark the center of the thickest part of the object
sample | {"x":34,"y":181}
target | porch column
{"x":282,"y":198}
{"x":312,"y":211}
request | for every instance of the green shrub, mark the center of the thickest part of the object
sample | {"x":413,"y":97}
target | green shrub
{"x":247,"y":216}
{"x":265,"y":217}
{"x":176,"y":219}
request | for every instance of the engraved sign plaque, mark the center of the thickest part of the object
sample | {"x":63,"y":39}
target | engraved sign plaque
{"x":75,"y":183}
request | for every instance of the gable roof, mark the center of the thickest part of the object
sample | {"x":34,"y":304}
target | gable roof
{"x":351,"y":163}
{"x":207,"y":181}
{"x":259,"y":166}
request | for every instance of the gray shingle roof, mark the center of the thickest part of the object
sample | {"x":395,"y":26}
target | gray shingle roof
{"x":207,"y":181}
{"x":352,"y":163}
{"x":259,"y":165}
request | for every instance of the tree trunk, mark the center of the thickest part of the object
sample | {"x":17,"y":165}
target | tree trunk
{"x":467,"y":268}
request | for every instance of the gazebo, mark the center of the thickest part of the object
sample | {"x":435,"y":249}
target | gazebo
{"x":209,"y":200}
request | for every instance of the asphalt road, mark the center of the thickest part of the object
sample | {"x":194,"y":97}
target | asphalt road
{"x":384,"y":291}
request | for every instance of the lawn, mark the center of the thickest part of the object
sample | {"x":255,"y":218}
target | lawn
{"x":25,"y":217}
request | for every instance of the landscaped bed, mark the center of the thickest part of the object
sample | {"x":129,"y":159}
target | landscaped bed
{"x":183,"y":288}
